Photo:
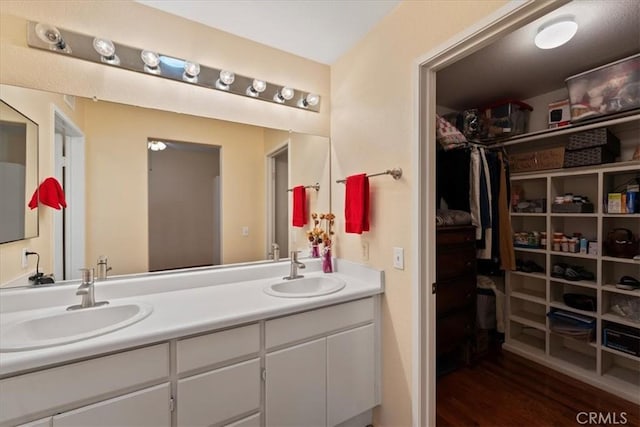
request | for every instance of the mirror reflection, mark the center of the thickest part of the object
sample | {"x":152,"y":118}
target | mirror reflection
{"x":18,"y":175}
{"x":146,"y":209}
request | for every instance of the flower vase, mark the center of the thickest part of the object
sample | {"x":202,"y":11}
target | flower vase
{"x":326,"y":261}
{"x":315,"y":251}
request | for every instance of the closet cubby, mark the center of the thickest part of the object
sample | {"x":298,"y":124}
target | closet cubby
{"x":531,"y":295}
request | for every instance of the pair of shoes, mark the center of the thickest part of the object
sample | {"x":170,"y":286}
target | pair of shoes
{"x":575,"y":273}
{"x":558,"y":270}
{"x":528,"y":266}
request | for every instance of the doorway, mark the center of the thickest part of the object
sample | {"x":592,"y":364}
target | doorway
{"x":184,"y":205}
{"x":69,"y":223}
{"x":278,"y":200}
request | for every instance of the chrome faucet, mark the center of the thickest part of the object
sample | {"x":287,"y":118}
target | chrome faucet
{"x":295,"y":264}
{"x":87,"y":291}
{"x":103,"y":267}
{"x":275,"y":252}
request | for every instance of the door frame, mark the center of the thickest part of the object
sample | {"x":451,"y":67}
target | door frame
{"x":270,"y":192}
{"x":70,"y":227}
{"x":505,"y":20}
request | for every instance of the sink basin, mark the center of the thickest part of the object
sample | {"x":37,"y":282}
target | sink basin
{"x":305,"y":287}
{"x":65,"y":327}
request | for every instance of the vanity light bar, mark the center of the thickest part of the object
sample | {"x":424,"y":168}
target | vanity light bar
{"x":98,"y":50}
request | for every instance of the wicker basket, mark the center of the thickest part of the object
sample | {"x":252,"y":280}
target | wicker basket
{"x":594,"y":138}
{"x":588,"y":156}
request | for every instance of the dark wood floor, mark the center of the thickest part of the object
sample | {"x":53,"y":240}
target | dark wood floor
{"x":505,"y":390}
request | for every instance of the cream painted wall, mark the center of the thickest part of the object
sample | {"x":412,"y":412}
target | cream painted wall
{"x":372,"y":129}
{"x":38,"y":106}
{"x":117,"y":184}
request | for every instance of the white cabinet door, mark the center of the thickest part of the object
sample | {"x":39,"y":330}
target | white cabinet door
{"x":216,"y":396}
{"x":351,"y":374}
{"x":296,"y":386}
{"x":148,"y":407}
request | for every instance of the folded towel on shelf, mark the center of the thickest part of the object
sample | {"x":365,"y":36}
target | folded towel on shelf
{"x":452,"y":217}
{"x":49,"y":193}
{"x":356,"y":204}
{"x":299,"y":206}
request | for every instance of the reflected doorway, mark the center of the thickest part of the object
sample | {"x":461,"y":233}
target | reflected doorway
{"x":278,"y":227}
{"x":69,"y":223}
{"x":184,"y":204}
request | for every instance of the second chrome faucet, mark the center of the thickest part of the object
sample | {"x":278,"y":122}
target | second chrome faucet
{"x":295,"y":264}
{"x":87,"y":291}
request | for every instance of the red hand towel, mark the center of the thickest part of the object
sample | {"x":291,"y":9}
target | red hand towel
{"x":49,"y":193}
{"x":356,"y":204}
{"x":299,"y":206}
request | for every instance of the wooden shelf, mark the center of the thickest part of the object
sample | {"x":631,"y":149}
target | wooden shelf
{"x":622,"y":354}
{"x":541,"y":276}
{"x":530,"y":295}
{"x":583,"y":283}
{"x":622,"y":260}
{"x":613,"y":289}
{"x":610,"y":317}
{"x":574,"y":255}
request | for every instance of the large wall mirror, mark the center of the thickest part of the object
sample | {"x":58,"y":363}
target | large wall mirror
{"x":120,"y":207}
{"x":18,"y":174}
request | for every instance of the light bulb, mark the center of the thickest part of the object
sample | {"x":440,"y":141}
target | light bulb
{"x":156,"y":145}
{"x":556,"y":34}
{"x":311,"y":100}
{"x":191,"y":71}
{"x":284,"y":94}
{"x":106,"y":50}
{"x":257,"y":86}
{"x":151,"y":61}
{"x":51,"y":36}
{"x":226,"y":78}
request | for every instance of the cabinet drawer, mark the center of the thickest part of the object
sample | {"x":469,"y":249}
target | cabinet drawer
{"x":455,"y":293}
{"x":51,"y":388}
{"x":317,"y":322}
{"x":456,"y":236}
{"x":210,"y":349}
{"x":453,"y":330}
{"x":455,"y":263}
{"x":252,"y":421}
{"x":219,"y":395}
{"x":149,"y":407}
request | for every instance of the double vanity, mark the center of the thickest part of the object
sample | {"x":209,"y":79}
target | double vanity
{"x":238,"y":346}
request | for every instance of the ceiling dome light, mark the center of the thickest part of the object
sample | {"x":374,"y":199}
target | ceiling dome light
{"x":151,"y":61}
{"x":191,"y":71}
{"x":311,"y":100}
{"x":225,"y":80}
{"x":51,"y":36}
{"x":156,"y":145}
{"x":556,"y":33}
{"x":284,"y":94}
{"x":256,"y":88}
{"x":106,"y":50}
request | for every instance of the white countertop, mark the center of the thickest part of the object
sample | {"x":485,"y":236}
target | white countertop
{"x":183,"y":304}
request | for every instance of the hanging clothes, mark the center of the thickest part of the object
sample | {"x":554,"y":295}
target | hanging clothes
{"x":507,"y":253}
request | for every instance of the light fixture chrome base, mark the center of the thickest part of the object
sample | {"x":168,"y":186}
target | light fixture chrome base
{"x":80,"y":46}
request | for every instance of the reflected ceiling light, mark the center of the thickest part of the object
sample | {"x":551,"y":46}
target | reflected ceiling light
{"x":311,"y":100}
{"x":225,"y":80}
{"x":256,"y":88}
{"x":156,"y":145}
{"x":191,"y":71}
{"x":151,"y":61}
{"x":51,"y":36}
{"x":106,"y":50}
{"x":284,"y":94}
{"x":556,"y":33}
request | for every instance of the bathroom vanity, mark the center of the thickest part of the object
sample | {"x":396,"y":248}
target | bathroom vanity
{"x":215,"y":350}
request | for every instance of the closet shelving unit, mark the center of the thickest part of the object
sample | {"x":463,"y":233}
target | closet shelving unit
{"x":531,"y":295}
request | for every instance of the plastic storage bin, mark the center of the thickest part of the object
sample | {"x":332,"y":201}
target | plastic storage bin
{"x":609,"y":89}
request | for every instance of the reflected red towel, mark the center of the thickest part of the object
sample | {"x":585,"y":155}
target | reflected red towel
{"x":299,"y":206}
{"x":49,"y":193}
{"x":356,"y":204}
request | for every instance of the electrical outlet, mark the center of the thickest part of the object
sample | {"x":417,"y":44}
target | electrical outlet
{"x":398,"y":258}
{"x":365,"y":251}
{"x":245,"y":231}
{"x":24,"y":261}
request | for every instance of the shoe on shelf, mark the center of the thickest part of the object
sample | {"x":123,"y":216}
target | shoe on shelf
{"x":558,"y":270}
{"x":531,"y":267}
{"x":584,"y":273}
{"x":570,"y":273}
